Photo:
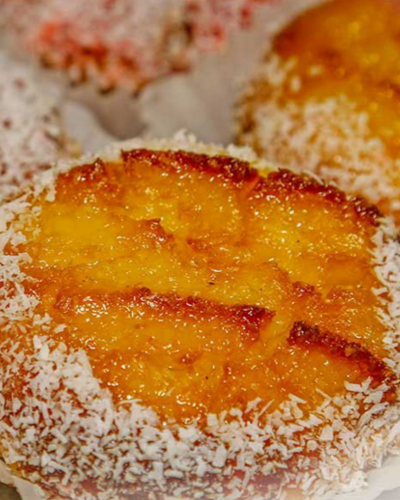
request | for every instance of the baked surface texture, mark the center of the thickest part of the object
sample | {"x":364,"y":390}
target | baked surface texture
{"x":325,"y":99}
{"x":182,"y":320}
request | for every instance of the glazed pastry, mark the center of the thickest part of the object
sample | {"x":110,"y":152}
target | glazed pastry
{"x":31,"y":131}
{"x":183,"y":320}
{"x":325,"y":99}
{"x":124,"y":43}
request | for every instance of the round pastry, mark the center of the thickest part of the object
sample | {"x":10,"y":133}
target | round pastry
{"x":326,"y":98}
{"x":31,"y":131}
{"x":183,"y":320}
{"x":124,"y":43}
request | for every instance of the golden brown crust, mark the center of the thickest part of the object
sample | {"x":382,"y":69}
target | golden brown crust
{"x":287,"y":181}
{"x":224,"y":167}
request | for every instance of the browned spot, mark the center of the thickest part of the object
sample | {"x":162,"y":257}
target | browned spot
{"x":138,"y":303}
{"x":86,"y":174}
{"x":228,"y":370}
{"x":285,"y":182}
{"x":303,"y":335}
{"x":284,"y":41}
{"x":89,"y":181}
{"x":236,"y":171}
{"x":303,"y":289}
{"x":190,"y":358}
{"x":153,"y":231}
{"x":250,"y":319}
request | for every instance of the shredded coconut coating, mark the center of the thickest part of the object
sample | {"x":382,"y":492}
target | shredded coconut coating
{"x":126,"y":42}
{"x":65,"y":428}
{"x":31,"y":133}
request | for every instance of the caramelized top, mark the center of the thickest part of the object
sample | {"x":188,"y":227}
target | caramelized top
{"x":197,"y":285}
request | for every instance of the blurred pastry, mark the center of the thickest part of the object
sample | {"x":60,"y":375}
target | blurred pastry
{"x":31,"y":131}
{"x":183,"y":320}
{"x":124,"y":43}
{"x":326,"y":99}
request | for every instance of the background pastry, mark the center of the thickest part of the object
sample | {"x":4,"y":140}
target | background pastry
{"x":124,"y":43}
{"x":176,"y":321}
{"x":32,"y":135}
{"x":325,"y":99}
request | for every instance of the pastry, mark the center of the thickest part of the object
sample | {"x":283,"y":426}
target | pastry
{"x":325,"y":99}
{"x":32,"y":135}
{"x":124,"y":43}
{"x":181,"y":320}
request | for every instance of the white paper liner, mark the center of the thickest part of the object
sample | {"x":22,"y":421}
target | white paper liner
{"x":117,"y":111}
{"x":84,"y":128}
{"x":27,"y":490}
